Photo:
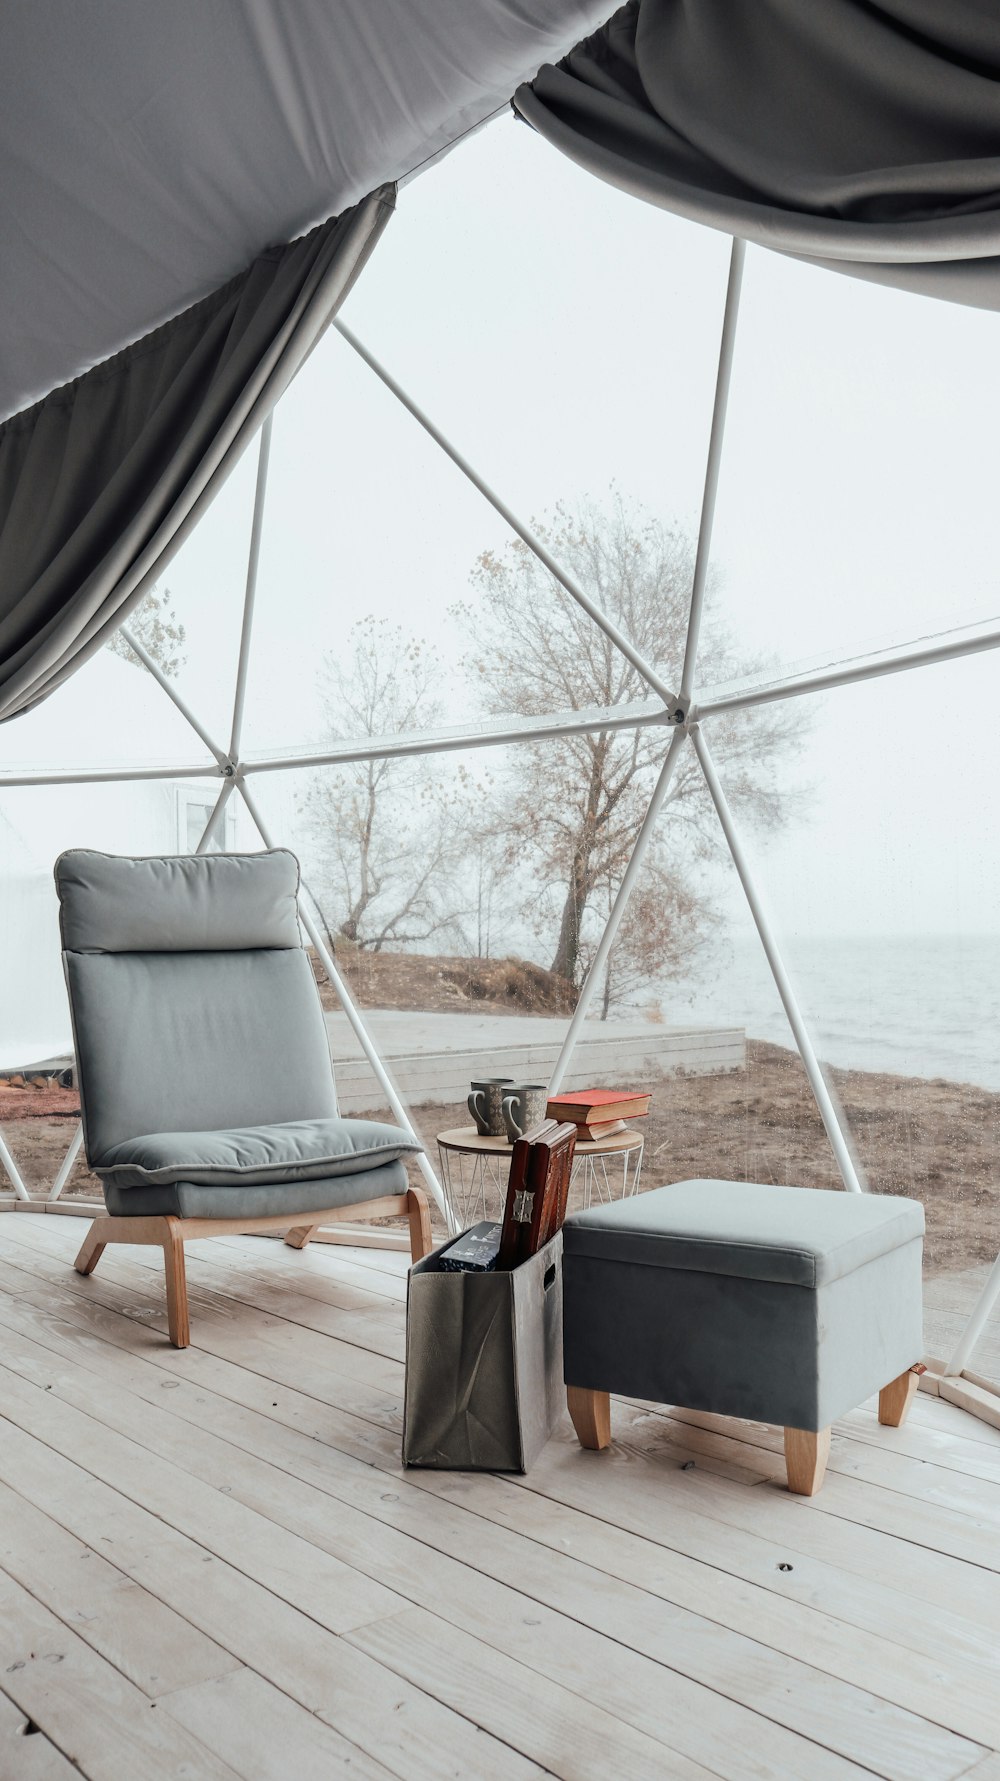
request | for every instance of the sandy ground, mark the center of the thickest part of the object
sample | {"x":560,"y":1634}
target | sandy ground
{"x":934,"y":1140}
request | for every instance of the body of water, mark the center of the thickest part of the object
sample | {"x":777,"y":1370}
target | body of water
{"x":921,"y":1005}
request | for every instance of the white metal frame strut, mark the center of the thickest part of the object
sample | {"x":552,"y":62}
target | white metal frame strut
{"x":679,"y":712}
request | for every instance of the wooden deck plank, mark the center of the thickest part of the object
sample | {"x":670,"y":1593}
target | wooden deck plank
{"x":85,"y":1706}
{"x":946,"y":1445}
{"x":846,"y":1717}
{"x":378,"y":1331}
{"x":253,"y":1727}
{"x":935,"y":1518}
{"x":883,"y":1553}
{"x":276,"y":1267}
{"x":353,"y":1361}
{"x":884,"y":1655}
{"x":12,"y":1280}
{"x":216,"y":1515}
{"x":642,"y":1691}
{"x":230,"y":1331}
{"x":851,"y":1591}
{"x":987,"y":1770}
{"x":398,"y":1725}
{"x":919,"y":1440}
{"x":883,"y":1462}
{"x":849,"y":1600}
{"x":568,"y":1735}
{"x":963,"y":1530}
{"x":153,"y":1647}
{"x":853,"y":1598}
{"x":697,"y":1452}
{"x":304,"y":1270}
{"x":26,"y":1754}
{"x":639,"y":1599}
{"x":374,"y":1335}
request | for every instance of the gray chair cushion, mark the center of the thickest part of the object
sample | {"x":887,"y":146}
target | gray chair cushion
{"x":196,"y":1041}
{"x":187,"y":1199}
{"x":193,"y":903}
{"x":300,"y":1150}
{"x":801,"y":1236}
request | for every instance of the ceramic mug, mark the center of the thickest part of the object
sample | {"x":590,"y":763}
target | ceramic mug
{"x":485,"y":1103}
{"x":524,"y":1107}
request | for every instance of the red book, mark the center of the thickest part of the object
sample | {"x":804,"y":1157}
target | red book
{"x":598,"y":1106}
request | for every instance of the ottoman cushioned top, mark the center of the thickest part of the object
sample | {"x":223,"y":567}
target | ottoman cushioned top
{"x":800,"y":1236}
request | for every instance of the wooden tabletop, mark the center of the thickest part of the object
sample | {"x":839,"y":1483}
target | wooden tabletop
{"x":467,"y":1138}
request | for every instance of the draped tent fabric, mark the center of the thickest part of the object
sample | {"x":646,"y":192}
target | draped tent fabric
{"x":149,"y":153}
{"x":101,"y":481}
{"x":861,"y":136}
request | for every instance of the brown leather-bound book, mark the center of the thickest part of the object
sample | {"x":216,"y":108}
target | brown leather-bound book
{"x":537,"y":1191}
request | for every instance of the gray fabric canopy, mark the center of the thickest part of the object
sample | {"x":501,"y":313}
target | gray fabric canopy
{"x":102,"y":480}
{"x":149,"y":152}
{"x":863,"y":135}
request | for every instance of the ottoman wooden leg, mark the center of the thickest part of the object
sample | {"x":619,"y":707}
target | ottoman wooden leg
{"x":591,"y":1414}
{"x":806,"y":1454}
{"x":895,"y":1398}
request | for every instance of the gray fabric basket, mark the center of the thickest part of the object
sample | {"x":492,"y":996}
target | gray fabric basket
{"x":483,"y":1364}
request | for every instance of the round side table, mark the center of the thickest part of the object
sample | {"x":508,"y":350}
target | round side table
{"x":474,"y":1171}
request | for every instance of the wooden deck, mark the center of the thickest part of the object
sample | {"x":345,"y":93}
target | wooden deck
{"x":211,"y":1564}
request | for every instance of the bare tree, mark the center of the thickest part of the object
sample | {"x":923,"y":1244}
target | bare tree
{"x":667,"y":925}
{"x":581,"y":799}
{"x":157,"y":627}
{"x":389,"y":832}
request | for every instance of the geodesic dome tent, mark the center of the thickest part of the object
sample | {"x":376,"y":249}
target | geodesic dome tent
{"x":151,"y":324}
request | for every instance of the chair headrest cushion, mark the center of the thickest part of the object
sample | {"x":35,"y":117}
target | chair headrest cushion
{"x":231,"y":902}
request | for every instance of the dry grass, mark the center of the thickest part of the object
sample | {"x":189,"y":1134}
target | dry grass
{"x":934,"y":1141}
{"x":447,"y":985}
{"x":937,"y":1141}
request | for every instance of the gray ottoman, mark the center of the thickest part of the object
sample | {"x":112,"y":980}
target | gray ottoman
{"x":786,"y":1305}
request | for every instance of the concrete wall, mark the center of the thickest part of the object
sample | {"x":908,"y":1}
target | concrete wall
{"x":613,"y":1054}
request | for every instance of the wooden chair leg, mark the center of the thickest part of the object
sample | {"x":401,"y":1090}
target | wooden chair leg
{"x":177,"y":1300}
{"x":419,"y":1212}
{"x":894,"y":1399}
{"x":806,"y":1454}
{"x":93,"y":1247}
{"x":591,"y":1415}
{"x":299,"y":1237}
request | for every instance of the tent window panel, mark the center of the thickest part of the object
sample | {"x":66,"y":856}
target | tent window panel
{"x":882,"y":888}
{"x":859,"y":459}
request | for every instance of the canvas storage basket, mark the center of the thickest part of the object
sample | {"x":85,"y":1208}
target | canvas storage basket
{"x":483,"y":1363}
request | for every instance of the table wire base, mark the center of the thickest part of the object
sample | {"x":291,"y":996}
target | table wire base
{"x":475,"y":1184}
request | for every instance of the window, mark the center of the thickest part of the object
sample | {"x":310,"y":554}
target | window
{"x":194,"y":809}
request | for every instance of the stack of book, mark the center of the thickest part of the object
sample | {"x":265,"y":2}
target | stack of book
{"x":599,"y":1112}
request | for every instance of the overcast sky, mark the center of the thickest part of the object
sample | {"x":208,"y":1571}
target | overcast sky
{"x":566,"y":337}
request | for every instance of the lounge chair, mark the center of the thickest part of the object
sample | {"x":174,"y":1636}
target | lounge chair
{"x":206,"y":1087}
